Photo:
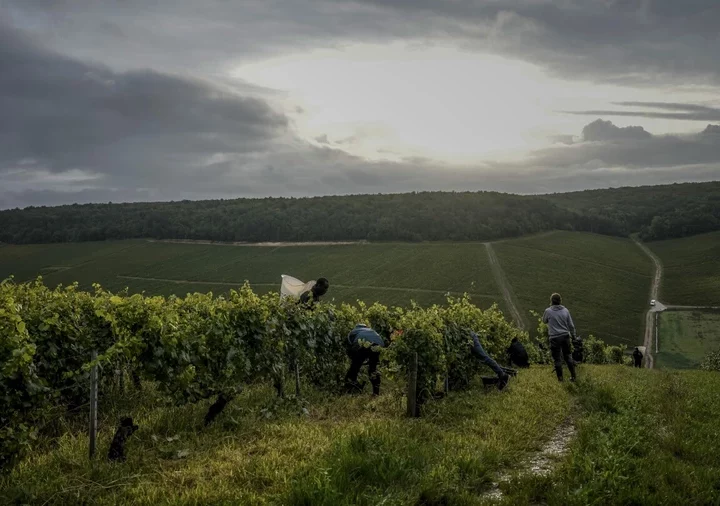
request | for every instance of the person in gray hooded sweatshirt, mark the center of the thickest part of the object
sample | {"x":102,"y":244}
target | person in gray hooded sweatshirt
{"x":561,"y":330}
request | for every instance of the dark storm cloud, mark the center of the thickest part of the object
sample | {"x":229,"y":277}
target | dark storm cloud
{"x":186,"y":35}
{"x":605,"y":145}
{"x":611,"y":40}
{"x":600,"y":130}
{"x":64,"y":114}
{"x":608,"y":155}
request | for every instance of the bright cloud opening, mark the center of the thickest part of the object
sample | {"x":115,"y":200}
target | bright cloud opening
{"x":404,"y":100}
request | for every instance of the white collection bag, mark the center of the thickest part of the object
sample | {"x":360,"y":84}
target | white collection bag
{"x":293,"y":287}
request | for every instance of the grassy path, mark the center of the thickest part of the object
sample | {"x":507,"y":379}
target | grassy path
{"x":504,"y":286}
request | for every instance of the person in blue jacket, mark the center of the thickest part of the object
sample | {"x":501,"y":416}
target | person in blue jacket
{"x":364,"y":345}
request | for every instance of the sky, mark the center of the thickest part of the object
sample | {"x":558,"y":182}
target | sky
{"x":147,"y":100}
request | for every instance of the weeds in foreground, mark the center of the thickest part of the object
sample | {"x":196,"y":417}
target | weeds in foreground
{"x":643,"y":437}
{"x":318,"y":450}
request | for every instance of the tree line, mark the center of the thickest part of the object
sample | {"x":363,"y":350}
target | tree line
{"x":655,"y":212}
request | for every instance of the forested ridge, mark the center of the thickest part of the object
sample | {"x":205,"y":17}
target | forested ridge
{"x":655,"y":212}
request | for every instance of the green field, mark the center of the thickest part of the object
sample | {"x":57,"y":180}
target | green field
{"x":604,"y":280}
{"x":686,"y":337}
{"x":388,"y":273}
{"x":641,"y":437}
{"x":691,"y":270}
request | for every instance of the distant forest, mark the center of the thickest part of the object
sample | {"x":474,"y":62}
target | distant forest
{"x":655,"y":212}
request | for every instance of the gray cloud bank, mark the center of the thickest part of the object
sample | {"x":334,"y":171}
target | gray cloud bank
{"x":637,"y":41}
{"x":633,"y":147}
{"x":73,"y":130}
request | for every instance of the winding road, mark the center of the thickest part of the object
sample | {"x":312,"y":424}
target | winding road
{"x":651,"y":316}
{"x":504,"y":286}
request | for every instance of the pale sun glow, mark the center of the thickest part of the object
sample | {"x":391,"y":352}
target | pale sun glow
{"x":405,"y":100}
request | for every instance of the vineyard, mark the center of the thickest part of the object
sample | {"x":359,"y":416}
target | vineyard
{"x":389,"y":273}
{"x":691,"y":272}
{"x":189,"y":357}
{"x":604,"y":280}
{"x":201,"y":346}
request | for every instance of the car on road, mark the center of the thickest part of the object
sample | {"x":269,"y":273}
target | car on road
{"x":652,"y":302}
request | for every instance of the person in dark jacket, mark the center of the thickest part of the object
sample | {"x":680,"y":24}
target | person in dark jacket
{"x":561,"y":330}
{"x":578,"y":354}
{"x":637,"y":357}
{"x":480,"y":352}
{"x":364,"y":345}
{"x":310,"y":297}
{"x":517,"y":354}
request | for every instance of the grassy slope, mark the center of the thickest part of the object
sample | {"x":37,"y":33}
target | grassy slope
{"x":404,"y":270}
{"x":604,"y":280}
{"x":692,"y":270}
{"x":686,"y":337}
{"x":644,"y":437}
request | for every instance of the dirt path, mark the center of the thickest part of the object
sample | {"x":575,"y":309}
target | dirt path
{"x":238,"y":284}
{"x":504,"y":286}
{"x":543,"y":462}
{"x":650,"y":317}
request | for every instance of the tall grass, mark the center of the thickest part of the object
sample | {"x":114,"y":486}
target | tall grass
{"x":320,"y":450}
{"x":643,"y":437}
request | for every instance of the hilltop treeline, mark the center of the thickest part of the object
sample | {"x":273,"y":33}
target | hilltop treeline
{"x":656,"y":212}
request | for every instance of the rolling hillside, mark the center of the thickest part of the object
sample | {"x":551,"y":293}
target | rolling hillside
{"x":392,"y":274}
{"x":604,"y":281}
{"x":655,"y":212}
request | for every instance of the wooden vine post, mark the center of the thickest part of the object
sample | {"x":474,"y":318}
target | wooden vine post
{"x":93,"y":404}
{"x":412,"y":388}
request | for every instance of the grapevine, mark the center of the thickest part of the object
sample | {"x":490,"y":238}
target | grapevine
{"x":204,"y":346}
